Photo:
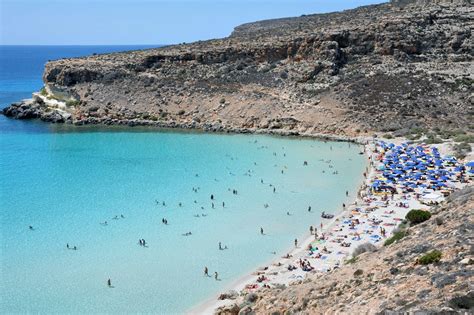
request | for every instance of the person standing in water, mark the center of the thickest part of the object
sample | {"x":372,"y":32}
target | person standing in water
{"x":261,"y":230}
{"x":296,"y":242}
{"x":309,"y":209}
{"x":109,"y":283}
{"x":206,"y":272}
{"x":216,"y":275}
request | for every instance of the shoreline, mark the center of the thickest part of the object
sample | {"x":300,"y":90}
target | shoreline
{"x":213,"y":305}
{"x":28,"y":110}
{"x":209,"y":306}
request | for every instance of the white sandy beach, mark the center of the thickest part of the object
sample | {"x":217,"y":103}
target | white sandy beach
{"x":359,"y":223}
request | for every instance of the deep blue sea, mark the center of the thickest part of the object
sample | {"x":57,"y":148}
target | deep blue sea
{"x":67,"y":181}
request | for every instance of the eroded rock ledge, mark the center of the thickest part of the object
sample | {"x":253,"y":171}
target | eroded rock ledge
{"x":375,"y":68}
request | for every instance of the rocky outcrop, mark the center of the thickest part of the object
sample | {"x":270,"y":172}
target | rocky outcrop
{"x":375,"y":68}
{"x":391,"y":280}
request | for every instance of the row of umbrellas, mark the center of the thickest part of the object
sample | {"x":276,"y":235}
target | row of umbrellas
{"x":417,"y":166}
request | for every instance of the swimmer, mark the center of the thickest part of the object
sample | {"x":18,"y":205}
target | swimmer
{"x":31,"y":228}
{"x":309,"y":209}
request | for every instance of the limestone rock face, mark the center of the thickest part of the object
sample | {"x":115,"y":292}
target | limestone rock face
{"x":375,"y":68}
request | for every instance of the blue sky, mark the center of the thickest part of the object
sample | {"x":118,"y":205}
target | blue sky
{"x":108,"y":22}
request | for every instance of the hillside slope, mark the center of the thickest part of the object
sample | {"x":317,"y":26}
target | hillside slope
{"x":374,"y":68}
{"x":390,"y":280}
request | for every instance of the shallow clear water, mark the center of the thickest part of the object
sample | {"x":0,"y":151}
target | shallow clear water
{"x":64,"y":181}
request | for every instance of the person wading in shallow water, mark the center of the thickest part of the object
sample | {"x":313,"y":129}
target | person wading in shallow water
{"x":296,"y":242}
{"x":109,"y":283}
{"x":216,"y":275}
{"x":206,"y":272}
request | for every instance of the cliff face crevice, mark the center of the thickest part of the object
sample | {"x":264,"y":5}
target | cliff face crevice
{"x":375,"y":68}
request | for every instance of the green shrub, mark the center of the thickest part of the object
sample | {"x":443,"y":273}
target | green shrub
{"x":395,"y":237}
{"x":432,"y":257}
{"x":43,"y":91}
{"x":417,"y":130}
{"x":417,"y":216}
{"x":433,"y":140}
{"x":351,"y":261}
{"x":464,"y":138}
{"x":414,"y":137}
{"x":461,"y":150}
{"x":363,"y":248}
{"x":72,"y":102}
{"x":450,"y":133}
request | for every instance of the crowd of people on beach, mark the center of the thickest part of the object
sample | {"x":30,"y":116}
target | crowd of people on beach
{"x":400,"y":178}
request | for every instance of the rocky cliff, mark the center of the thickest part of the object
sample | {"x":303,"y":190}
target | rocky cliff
{"x":375,"y":68}
{"x":396,"y":279}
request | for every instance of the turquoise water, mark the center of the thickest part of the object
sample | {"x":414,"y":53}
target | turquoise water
{"x":65,"y":181}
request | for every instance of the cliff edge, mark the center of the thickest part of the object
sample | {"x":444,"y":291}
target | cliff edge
{"x":375,"y":68}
